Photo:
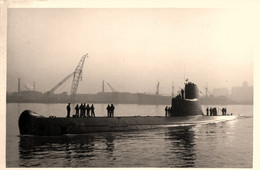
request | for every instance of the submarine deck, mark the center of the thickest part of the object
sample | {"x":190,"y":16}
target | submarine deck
{"x":31,"y":123}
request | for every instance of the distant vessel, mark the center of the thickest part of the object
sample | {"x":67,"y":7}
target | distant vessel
{"x":144,"y":98}
{"x":184,"y":110}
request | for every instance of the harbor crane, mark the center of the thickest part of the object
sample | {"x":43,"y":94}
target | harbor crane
{"x":77,"y":75}
{"x":113,"y":89}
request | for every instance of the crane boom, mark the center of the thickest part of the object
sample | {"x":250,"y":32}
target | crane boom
{"x":60,"y":83}
{"x":113,"y":90}
{"x":77,"y":75}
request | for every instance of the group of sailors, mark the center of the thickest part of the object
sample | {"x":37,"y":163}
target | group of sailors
{"x":213,"y":111}
{"x":82,"y":111}
{"x":110,"y":110}
{"x":168,"y":111}
{"x":89,"y":111}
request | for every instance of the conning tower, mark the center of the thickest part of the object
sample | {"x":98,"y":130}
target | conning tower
{"x":188,"y":104}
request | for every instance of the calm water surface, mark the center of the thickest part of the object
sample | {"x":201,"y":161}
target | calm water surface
{"x":223,"y":144}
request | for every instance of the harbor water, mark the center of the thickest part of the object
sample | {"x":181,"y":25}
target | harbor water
{"x":226,"y":144}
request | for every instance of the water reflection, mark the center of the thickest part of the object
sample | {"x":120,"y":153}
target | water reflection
{"x":63,"y":147}
{"x":182,"y":146}
{"x":110,"y":146}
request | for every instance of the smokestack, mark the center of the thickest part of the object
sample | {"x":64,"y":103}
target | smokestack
{"x":172,"y":89}
{"x":33,"y":85}
{"x":19,"y":87}
{"x":103,"y":86}
{"x":157,"y":88}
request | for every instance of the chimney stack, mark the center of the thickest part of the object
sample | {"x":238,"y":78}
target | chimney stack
{"x":103,"y":86}
{"x":19,"y":87}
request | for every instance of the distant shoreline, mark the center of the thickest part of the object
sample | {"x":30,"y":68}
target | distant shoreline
{"x":206,"y":104}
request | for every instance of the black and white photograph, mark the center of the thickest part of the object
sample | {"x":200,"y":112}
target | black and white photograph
{"x":129,"y":87}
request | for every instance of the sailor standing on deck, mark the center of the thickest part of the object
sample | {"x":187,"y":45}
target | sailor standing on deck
{"x":108,"y":111}
{"x":207,"y":111}
{"x":84,"y":110}
{"x":77,"y":110}
{"x":81,"y":109}
{"x":210,"y":111}
{"x":68,"y":110}
{"x":170,"y":111}
{"x":166,"y":111}
{"x":182,"y":93}
{"x":92,"y":108}
{"x":112,"y":108}
{"x":88,"y":109}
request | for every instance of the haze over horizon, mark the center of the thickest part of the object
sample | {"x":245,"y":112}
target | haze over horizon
{"x":132,"y":49}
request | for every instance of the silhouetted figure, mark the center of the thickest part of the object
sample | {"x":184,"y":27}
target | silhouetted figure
{"x":166,"y":111}
{"x":84,"y":110}
{"x":108,"y":111}
{"x":210,"y":111}
{"x":169,"y":111}
{"x":112,"y":108}
{"x":182,"y":93}
{"x":77,"y":110}
{"x":68,"y":110}
{"x":81,"y":107}
{"x":207,"y":111}
{"x":92,"y":109}
{"x":214,"y":111}
{"x":223,"y":111}
{"x":88,"y":109}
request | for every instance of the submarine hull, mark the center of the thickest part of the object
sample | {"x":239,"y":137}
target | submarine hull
{"x":31,"y":123}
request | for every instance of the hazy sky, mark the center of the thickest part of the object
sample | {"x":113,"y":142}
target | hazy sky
{"x":132,"y":49}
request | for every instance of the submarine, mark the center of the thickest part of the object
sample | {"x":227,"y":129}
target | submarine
{"x":185,"y":109}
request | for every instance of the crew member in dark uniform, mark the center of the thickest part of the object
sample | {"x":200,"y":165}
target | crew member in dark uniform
{"x":77,"y":110}
{"x":88,"y":109}
{"x":108,"y":111}
{"x":223,"y":111}
{"x":68,"y":110}
{"x":81,"y":107}
{"x":92,"y":109}
{"x":170,"y":111}
{"x":166,"y":111}
{"x":182,"y":93}
{"x":112,"y":108}
{"x":84,"y":110}
{"x":210,"y":111}
{"x":207,"y":111}
{"x":214,"y":111}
